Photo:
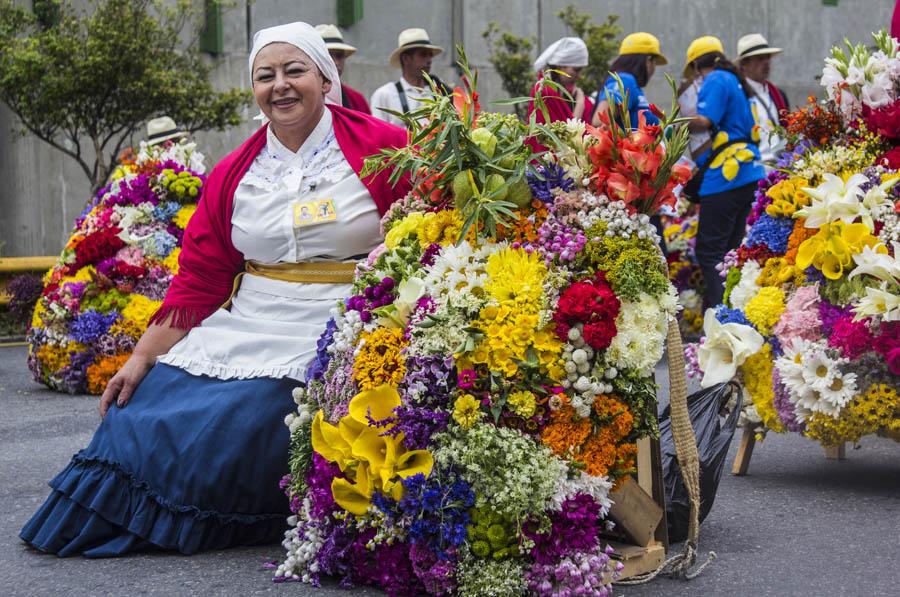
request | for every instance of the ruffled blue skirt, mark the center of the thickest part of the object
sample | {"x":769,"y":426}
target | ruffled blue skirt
{"x":192,"y":463}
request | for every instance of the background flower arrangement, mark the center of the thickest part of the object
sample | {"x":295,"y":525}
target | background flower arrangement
{"x":115,"y":269}
{"x":680,"y":233}
{"x":474,"y":402}
{"x":811,"y":318}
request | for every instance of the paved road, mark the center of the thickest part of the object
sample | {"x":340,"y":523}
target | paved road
{"x":797,"y":525}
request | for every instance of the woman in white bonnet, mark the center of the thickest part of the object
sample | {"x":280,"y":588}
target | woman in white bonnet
{"x":192,"y":444}
{"x":569,"y":56}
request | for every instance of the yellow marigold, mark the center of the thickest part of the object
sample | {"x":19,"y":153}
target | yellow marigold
{"x":522,"y":403}
{"x":53,"y":358}
{"x":787,"y":197}
{"x":405,"y":227}
{"x":442,"y":227}
{"x":518,"y":276}
{"x":466,"y":411}
{"x":379,"y":360}
{"x":765,"y":309}
{"x":615,"y":415}
{"x":798,"y":235}
{"x":599,"y":453}
{"x":757,"y":371}
{"x":139,"y":310}
{"x":171,"y":261}
{"x":101,"y":371}
{"x":565,"y":432}
{"x":184,"y":215}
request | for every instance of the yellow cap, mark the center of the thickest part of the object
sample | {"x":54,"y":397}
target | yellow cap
{"x":642,"y":43}
{"x":700,"y":47}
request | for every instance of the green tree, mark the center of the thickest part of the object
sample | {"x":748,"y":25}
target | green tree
{"x":601,"y":39}
{"x":510,"y":55}
{"x":84,"y":80}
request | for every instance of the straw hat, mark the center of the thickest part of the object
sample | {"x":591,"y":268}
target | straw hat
{"x":409,"y":39}
{"x":754,"y":45}
{"x":334,"y":39}
{"x":700,"y":47}
{"x":162,"y":129}
{"x":642,"y":43}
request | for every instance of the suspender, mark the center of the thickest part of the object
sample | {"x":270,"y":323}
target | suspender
{"x":403,"y":103}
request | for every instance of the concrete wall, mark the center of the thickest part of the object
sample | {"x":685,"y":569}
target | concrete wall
{"x":42,"y":191}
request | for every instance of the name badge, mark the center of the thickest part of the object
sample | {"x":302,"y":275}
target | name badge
{"x":310,"y":213}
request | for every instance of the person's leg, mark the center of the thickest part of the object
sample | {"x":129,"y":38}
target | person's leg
{"x":718,"y":218}
{"x":742,"y":201}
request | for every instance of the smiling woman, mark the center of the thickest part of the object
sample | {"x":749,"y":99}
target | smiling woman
{"x":190,"y":456}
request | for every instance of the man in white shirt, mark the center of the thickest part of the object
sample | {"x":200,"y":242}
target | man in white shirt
{"x":413,"y":56}
{"x":754,"y":57}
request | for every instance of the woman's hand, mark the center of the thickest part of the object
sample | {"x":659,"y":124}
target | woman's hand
{"x":125,"y":382}
{"x":578,"y":111}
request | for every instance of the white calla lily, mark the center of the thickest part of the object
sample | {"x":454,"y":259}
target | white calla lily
{"x":726,"y":348}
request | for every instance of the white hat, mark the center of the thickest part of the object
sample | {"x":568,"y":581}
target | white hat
{"x":409,"y":39}
{"x":754,"y":45}
{"x":162,"y":129}
{"x":333,"y":39}
{"x":568,"y":51}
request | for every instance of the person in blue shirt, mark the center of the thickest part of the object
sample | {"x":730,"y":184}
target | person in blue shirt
{"x":638,"y":58}
{"x":729,"y":165}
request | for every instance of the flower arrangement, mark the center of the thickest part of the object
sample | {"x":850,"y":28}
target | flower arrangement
{"x":680,"y":234}
{"x":115,"y":269}
{"x":811,"y":317}
{"x":475,"y":401}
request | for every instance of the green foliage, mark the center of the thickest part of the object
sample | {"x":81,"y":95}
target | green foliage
{"x":86,"y":81}
{"x":602,"y":40}
{"x":510,"y":55}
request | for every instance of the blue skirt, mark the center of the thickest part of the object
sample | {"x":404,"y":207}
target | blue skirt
{"x":191,"y":463}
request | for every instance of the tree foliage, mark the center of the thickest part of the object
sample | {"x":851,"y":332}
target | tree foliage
{"x":84,"y":80}
{"x":512,"y":55}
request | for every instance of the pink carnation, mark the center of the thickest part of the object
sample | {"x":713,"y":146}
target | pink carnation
{"x":852,"y":337}
{"x":132,"y":255}
{"x":800,"y":318}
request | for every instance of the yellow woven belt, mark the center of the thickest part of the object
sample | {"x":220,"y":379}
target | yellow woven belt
{"x":311,"y":272}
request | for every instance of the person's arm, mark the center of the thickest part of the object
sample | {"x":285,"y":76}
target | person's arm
{"x":578,"y":110}
{"x":156,"y":341}
{"x":698,"y":124}
{"x":711,"y":102}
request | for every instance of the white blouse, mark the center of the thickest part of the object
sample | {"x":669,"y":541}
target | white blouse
{"x":272,"y":326}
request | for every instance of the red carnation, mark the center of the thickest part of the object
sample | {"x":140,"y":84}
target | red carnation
{"x":885,"y":120}
{"x":592,"y":303}
{"x":96,"y":247}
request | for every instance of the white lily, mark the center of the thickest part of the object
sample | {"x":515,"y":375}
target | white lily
{"x":878,"y":265}
{"x":833,"y":200}
{"x":878,"y":301}
{"x":726,"y":348}
{"x":876,"y":201}
{"x":397,"y":314}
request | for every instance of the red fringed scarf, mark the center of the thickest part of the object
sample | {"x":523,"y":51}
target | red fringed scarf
{"x":209,"y":262}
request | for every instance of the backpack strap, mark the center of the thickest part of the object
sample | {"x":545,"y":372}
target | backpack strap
{"x":404,"y":105}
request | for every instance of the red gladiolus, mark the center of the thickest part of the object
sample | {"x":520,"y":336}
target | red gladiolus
{"x":620,"y":188}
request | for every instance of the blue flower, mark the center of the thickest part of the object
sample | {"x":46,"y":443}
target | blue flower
{"x":547,"y":178}
{"x":726,"y":315}
{"x":90,"y":325}
{"x":166,"y":211}
{"x":772,"y":232}
{"x":316,"y":369}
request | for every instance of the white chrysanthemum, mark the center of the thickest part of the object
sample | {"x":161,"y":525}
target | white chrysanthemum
{"x":640,"y":335}
{"x":596,"y":487}
{"x":835,"y":396}
{"x":819,"y":370}
{"x":746,"y":288}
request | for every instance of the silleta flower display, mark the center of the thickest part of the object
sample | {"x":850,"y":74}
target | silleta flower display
{"x":475,"y":401}
{"x":115,"y":269}
{"x":811,"y":318}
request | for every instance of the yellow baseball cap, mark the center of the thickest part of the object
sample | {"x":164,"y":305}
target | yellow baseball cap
{"x":700,"y":47}
{"x":642,"y":43}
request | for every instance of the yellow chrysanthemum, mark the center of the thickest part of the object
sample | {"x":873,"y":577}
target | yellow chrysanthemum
{"x":442,"y":227}
{"x":402,"y":229}
{"x":518,"y":276}
{"x":466,"y":411}
{"x":171,"y":261}
{"x":765,"y":309}
{"x":85,"y":274}
{"x":787,"y":197}
{"x":184,"y":215}
{"x":730,"y":159}
{"x":139,"y":310}
{"x":757,"y":371}
{"x":831,"y":250}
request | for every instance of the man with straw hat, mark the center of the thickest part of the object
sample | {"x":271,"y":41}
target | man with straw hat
{"x":162,"y":129}
{"x":340,"y":51}
{"x":754,"y":58}
{"x":413,"y":57}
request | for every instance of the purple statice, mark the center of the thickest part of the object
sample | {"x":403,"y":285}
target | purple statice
{"x":24,"y":291}
{"x":334,"y":556}
{"x":771,"y":232}
{"x":75,"y":290}
{"x":783,"y":405}
{"x":134,"y":192}
{"x":575,"y":528}
{"x":89,"y":325}
{"x":175,"y":231}
{"x":388,"y":567}
{"x":318,"y":481}
{"x":155,"y":283}
{"x":436,"y":574}
{"x":727,"y":315}
{"x":559,"y":241}
{"x":430,"y":254}
{"x":787,"y":158}
{"x":74,"y":375}
{"x":546,"y":178}
{"x":416,"y":424}
{"x":339,"y":387}
{"x":762,"y":199}
{"x":583,"y":573}
{"x":830,"y":314}
{"x":318,"y":366}
{"x":428,"y":382}
{"x":436,"y":511}
{"x":36,"y":338}
{"x":814,"y":276}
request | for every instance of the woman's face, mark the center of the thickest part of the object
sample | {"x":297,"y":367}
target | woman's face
{"x":569,"y":78}
{"x":288,"y":86}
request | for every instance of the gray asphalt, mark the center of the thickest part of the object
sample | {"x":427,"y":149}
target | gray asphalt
{"x":798,"y":524}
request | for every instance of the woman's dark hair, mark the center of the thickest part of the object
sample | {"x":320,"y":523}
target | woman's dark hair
{"x":718,"y":61}
{"x":633,"y":64}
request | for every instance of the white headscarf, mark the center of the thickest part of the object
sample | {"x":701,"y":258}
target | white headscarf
{"x":568,"y":51}
{"x":305,"y":37}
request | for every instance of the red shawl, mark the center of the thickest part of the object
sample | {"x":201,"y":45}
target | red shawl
{"x":209,"y":262}
{"x":354,"y":99}
{"x":558,"y":108}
